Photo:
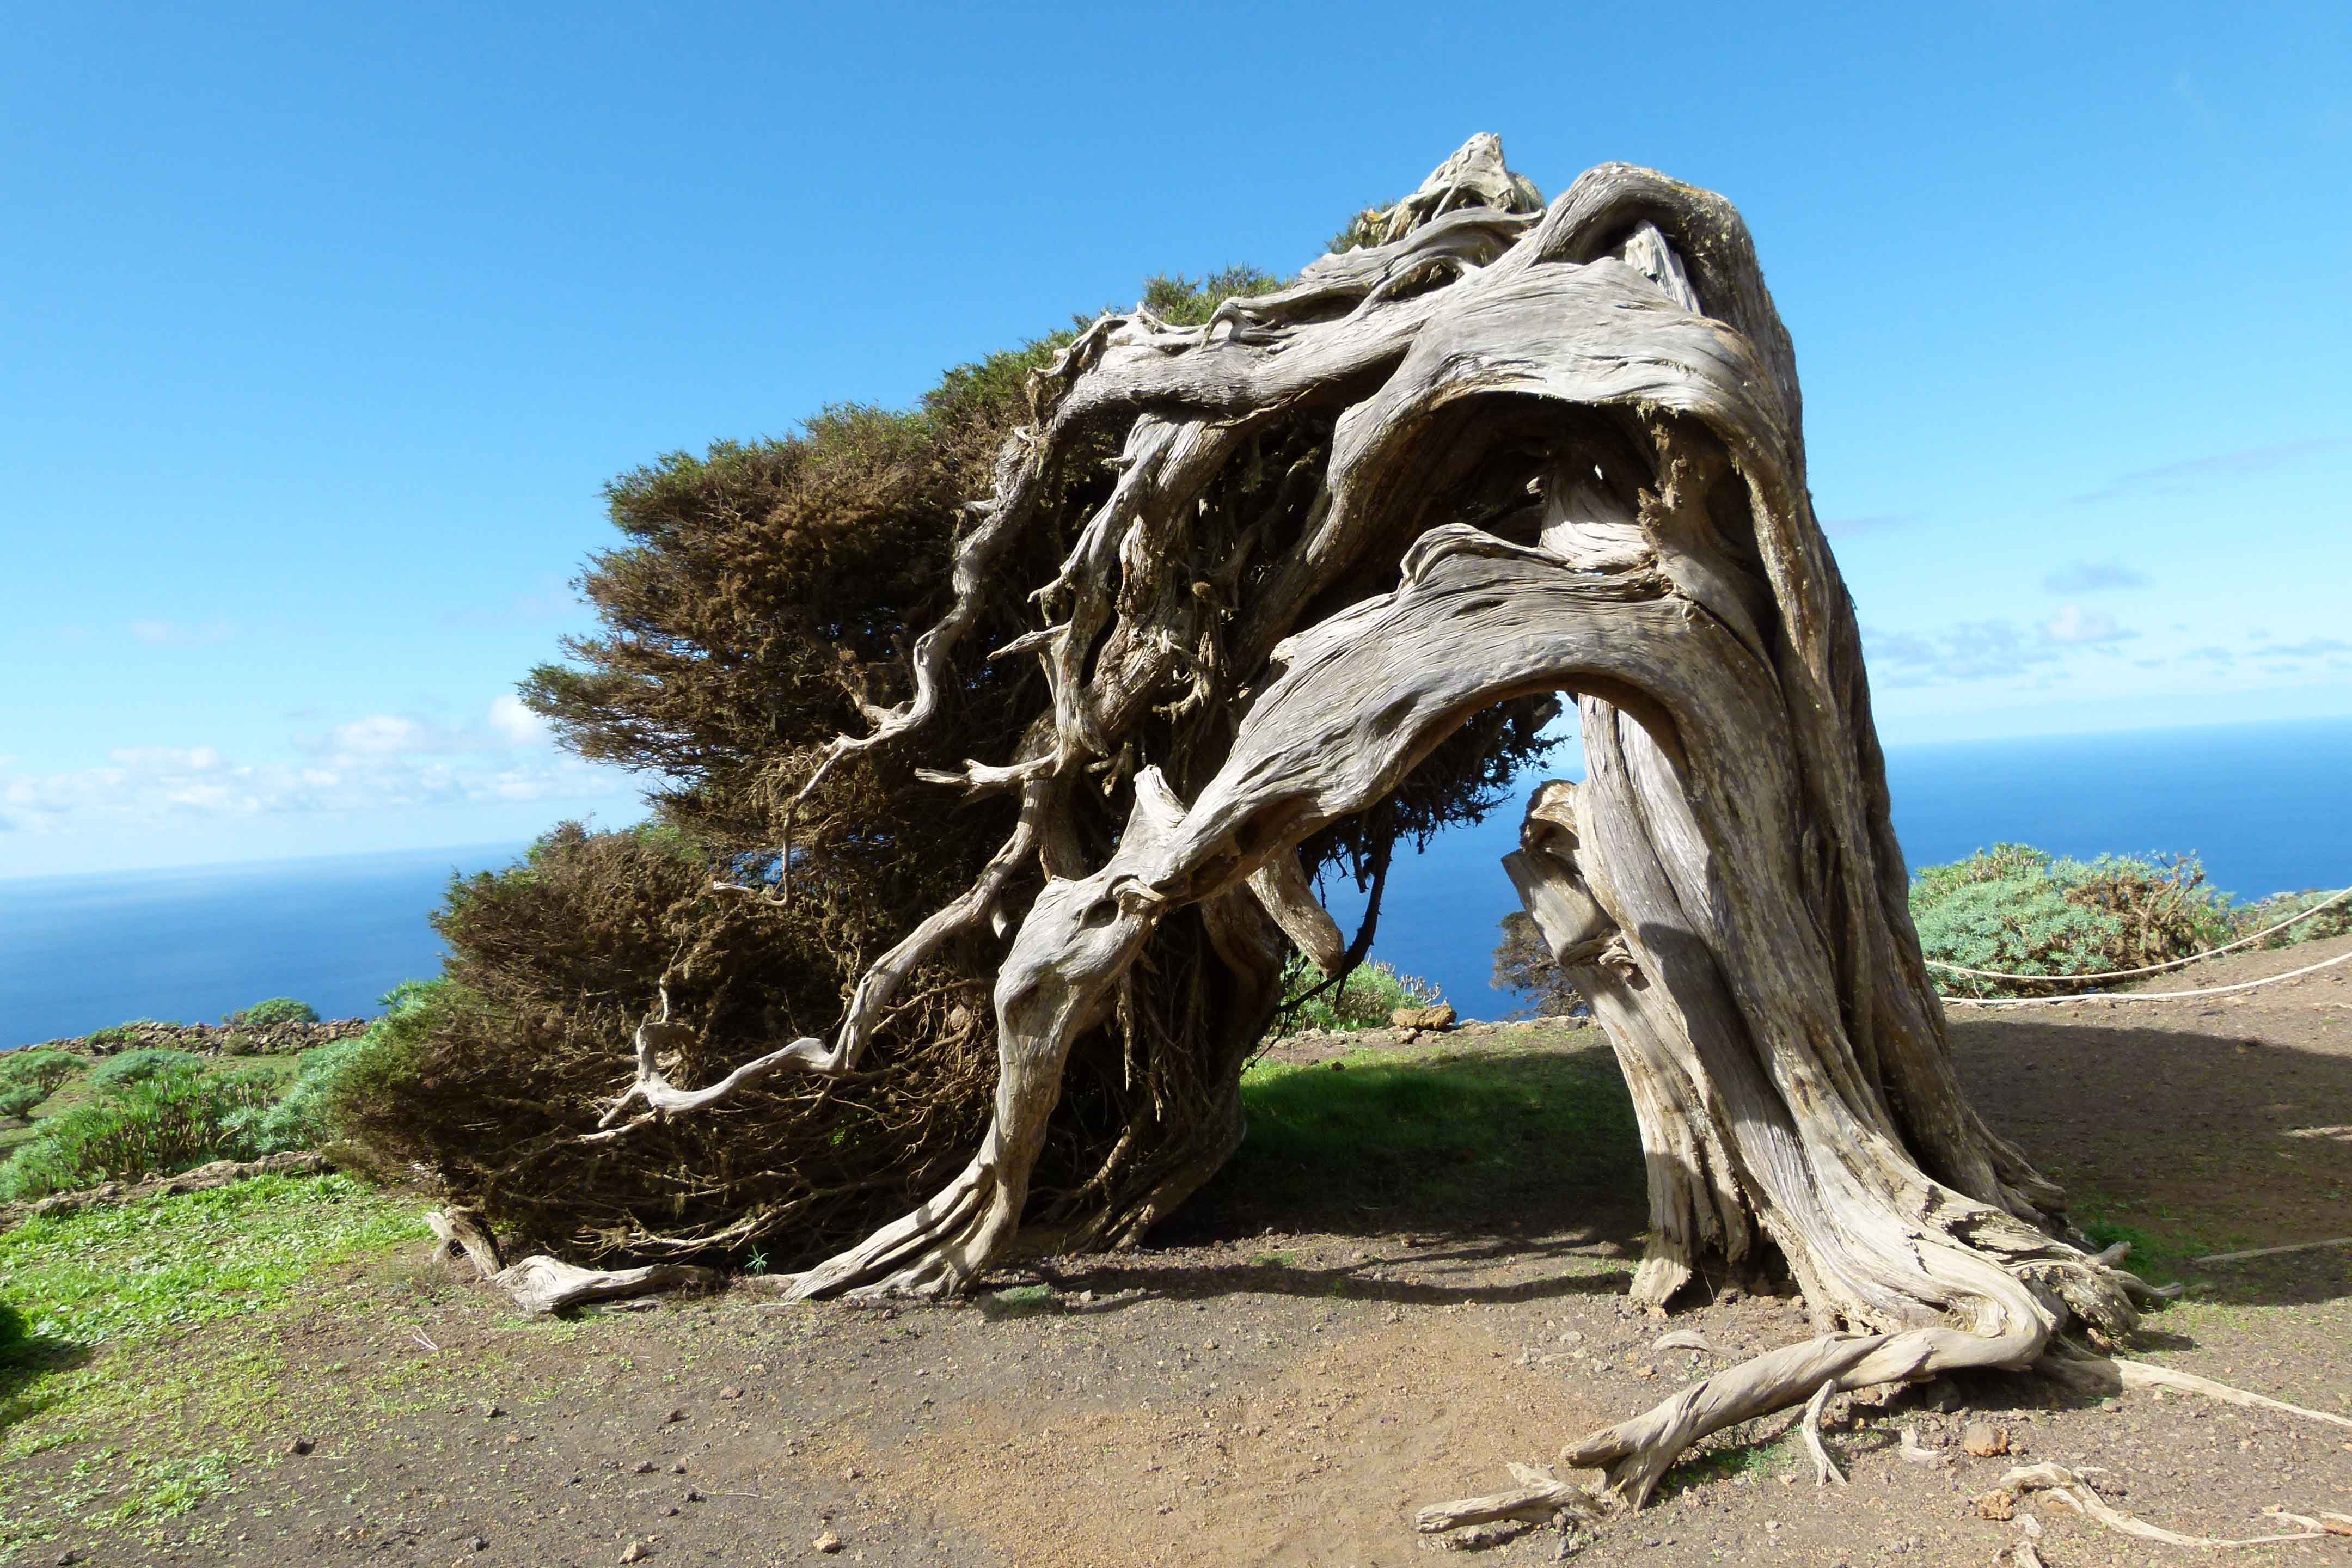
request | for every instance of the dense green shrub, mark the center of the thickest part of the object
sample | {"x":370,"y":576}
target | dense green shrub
{"x":2020,"y":911}
{"x":1362,"y":1001}
{"x":28,"y":1078}
{"x":2266,"y":912}
{"x":15,"y":1335}
{"x":136,"y":1067}
{"x":276,"y":1010}
{"x":170,"y":1119}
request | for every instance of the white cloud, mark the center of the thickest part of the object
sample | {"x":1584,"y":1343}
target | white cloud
{"x":516,"y":724}
{"x":384,"y":735}
{"x":1971,"y":650}
{"x":2073,"y":623}
{"x":373,"y":765}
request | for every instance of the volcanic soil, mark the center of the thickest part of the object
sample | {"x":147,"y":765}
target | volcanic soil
{"x":1285,"y":1376}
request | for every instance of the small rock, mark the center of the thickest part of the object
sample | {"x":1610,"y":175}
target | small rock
{"x":636,"y":1551}
{"x":694,"y":1496}
{"x":678,"y":1469}
{"x":1984,"y":1440}
{"x":730,"y":1392}
{"x":300,"y":1445}
{"x":477,"y":1543}
{"x":67,"y":1557}
{"x":493,"y":1411}
{"x":851,"y":1474}
{"x":1438,"y":1018}
{"x":641,"y":1468}
{"x":1998,"y":1506}
{"x":677,"y":1414}
{"x":827,"y":1542}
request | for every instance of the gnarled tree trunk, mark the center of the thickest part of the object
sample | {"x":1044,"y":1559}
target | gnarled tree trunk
{"x":1502,"y":455}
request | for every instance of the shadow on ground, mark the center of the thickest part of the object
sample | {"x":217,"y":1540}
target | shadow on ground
{"x":1452,"y":1145}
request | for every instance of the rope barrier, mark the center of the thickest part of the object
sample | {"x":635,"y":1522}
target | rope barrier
{"x":2147,"y":996}
{"x":2150,"y":969}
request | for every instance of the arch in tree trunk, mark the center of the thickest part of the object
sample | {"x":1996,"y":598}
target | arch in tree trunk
{"x":1528,"y":453}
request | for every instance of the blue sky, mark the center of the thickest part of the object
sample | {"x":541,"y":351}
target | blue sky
{"x":326,"y":323}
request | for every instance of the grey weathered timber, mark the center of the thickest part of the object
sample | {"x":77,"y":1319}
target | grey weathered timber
{"x":1517,"y":449}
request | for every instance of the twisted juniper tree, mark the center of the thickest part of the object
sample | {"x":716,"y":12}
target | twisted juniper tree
{"x":1360,"y":533}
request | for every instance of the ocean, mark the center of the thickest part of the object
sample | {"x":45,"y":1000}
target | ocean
{"x":2263,"y":805}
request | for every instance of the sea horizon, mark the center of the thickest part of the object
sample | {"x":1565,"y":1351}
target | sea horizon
{"x":2260,"y":804}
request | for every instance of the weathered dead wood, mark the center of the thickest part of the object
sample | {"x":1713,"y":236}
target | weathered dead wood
{"x":2114,"y":1375}
{"x":2066,"y":1487}
{"x":463,"y":1233}
{"x":1536,"y":1499}
{"x":542,"y":1285}
{"x":1825,"y":1472}
{"x":1517,"y":455}
{"x":2291,"y":1246}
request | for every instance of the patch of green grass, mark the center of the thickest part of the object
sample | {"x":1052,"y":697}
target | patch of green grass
{"x":1464,"y":1130}
{"x":2162,"y":1245}
{"x":1018,"y":1301}
{"x":166,"y":1423}
{"x":131,"y":1272}
{"x":1702,"y":1467}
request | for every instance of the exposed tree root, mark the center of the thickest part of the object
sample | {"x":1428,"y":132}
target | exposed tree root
{"x":929,"y":1252}
{"x":2065,"y":1487}
{"x":542,"y":1285}
{"x":2113,"y":1374}
{"x":1635,"y":1454}
{"x":1825,"y":1472}
{"x":1539,"y":1497}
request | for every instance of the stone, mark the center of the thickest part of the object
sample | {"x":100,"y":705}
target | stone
{"x":300,"y":1445}
{"x":1983,"y":1440}
{"x":1438,"y":1018}
{"x":730,"y":1392}
{"x":827,"y":1542}
{"x":636,"y":1551}
{"x":1998,"y":1506}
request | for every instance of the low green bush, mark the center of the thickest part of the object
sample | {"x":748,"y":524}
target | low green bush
{"x":2264,"y":913}
{"x":14,"y":1334}
{"x":1362,"y":1001}
{"x":303,"y":1117}
{"x":28,"y":1078}
{"x":274,"y":1011}
{"x":116,"y":1036}
{"x":168,"y":1121}
{"x":137,"y":1066}
{"x":2022,"y":910}
{"x":162,"y":1111}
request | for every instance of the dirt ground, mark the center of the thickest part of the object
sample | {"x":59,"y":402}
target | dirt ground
{"x":1288,"y":1388}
